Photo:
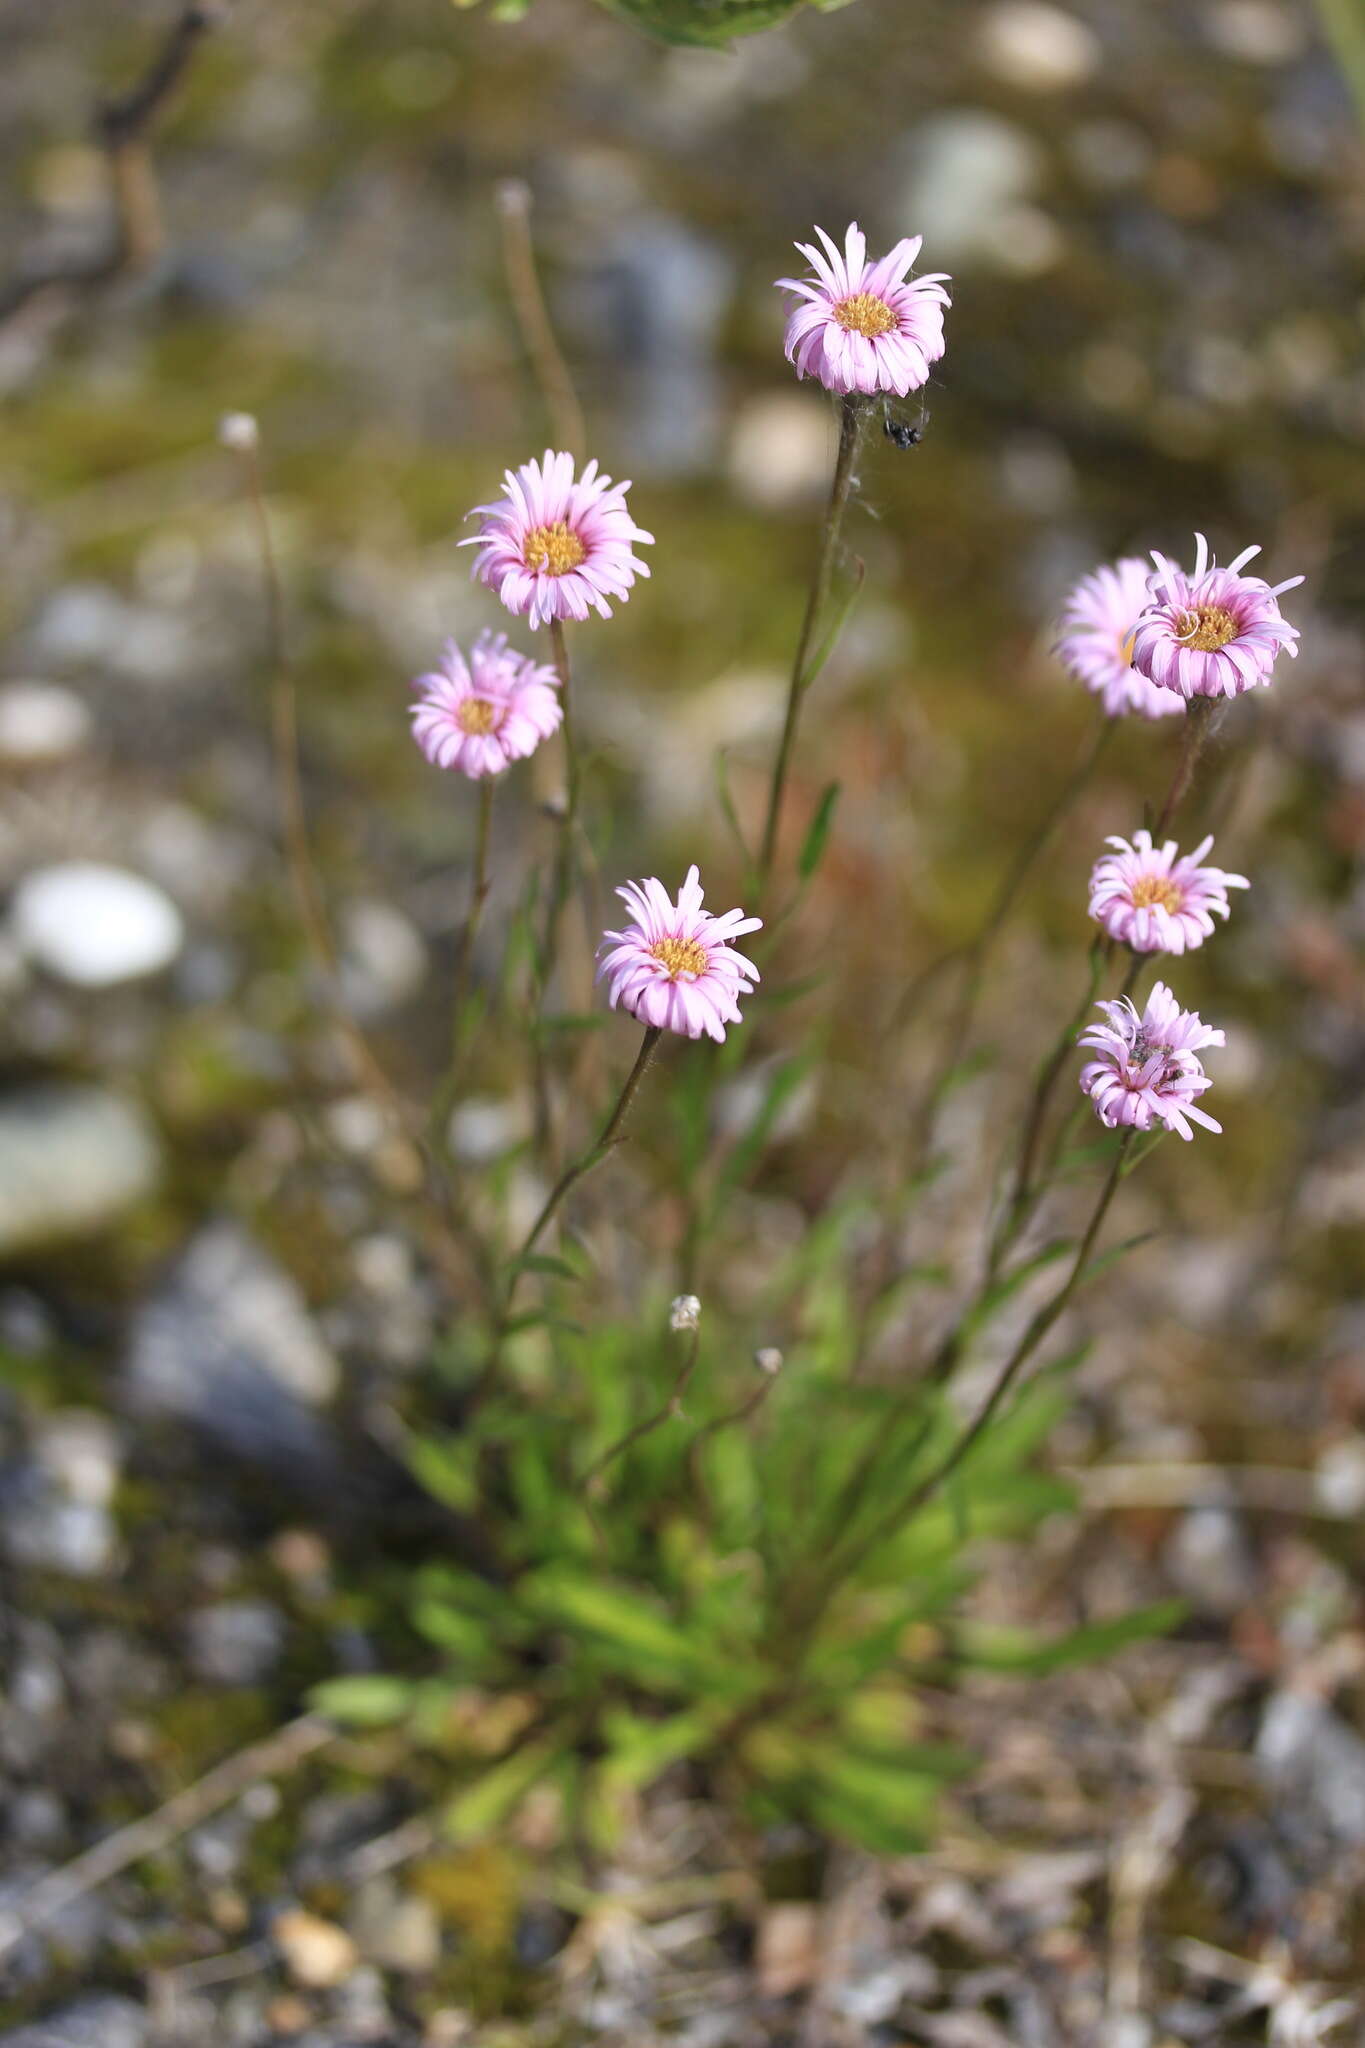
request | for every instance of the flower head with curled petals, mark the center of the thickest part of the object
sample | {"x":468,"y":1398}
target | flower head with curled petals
{"x":1156,"y":900}
{"x":673,"y":966}
{"x":1147,"y":1070}
{"x":865,"y":326}
{"x":557,"y":545}
{"x":1215,"y":633}
{"x":479,"y":714}
{"x":1096,"y":643}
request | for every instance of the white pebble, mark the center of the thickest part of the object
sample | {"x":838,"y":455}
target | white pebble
{"x":41,"y":722}
{"x":1037,"y":47}
{"x":95,"y":926}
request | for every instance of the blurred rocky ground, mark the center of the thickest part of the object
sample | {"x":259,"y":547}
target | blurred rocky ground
{"x":210,"y":1293}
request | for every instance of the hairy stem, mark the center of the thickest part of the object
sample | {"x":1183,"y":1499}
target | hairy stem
{"x":590,"y":1483}
{"x":1198,"y":725}
{"x":478,"y":897}
{"x":957,"y":1037}
{"x":842,"y":1563}
{"x":444,"y":1100}
{"x":1029,"y":1183}
{"x":850,"y":430}
{"x":608,"y":1137}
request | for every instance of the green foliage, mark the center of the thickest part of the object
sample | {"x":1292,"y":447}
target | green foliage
{"x":710,"y":23}
{"x":737,"y":1590}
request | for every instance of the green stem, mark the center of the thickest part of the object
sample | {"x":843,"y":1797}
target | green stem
{"x":591,"y":1480}
{"x":841,"y":1565}
{"x":563,"y":862}
{"x":1198,"y":725}
{"x":609,"y":1137}
{"x":1029,"y":1183}
{"x":957,"y":1036}
{"x":850,"y":430}
{"x":1038,"y":841}
{"x":482,"y":882}
{"x":561,"y":881}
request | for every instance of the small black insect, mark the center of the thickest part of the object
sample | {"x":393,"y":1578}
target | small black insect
{"x":904,"y":433}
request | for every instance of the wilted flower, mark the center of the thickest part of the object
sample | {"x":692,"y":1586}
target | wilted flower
{"x":555,"y":545}
{"x":673,"y":966}
{"x":865,"y":326}
{"x":1156,"y":901}
{"x":684,"y":1312}
{"x":480,"y":714}
{"x":1148,"y":1066}
{"x":1097,"y":640}
{"x":1215,"y":633}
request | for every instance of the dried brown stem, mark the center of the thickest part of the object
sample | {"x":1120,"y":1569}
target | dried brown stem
{"x":533,"y":317}
{"x":52,"y":1894}
{"x":123,"y":127}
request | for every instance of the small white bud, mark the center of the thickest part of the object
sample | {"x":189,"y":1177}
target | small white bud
{"x":239,"y":432}
{"x":769,"y":1360}
{"x":684,"y":1312}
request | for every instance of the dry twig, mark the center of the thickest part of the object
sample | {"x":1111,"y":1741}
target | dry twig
{"x":282,"y":1751}
{"x":124,"y":128}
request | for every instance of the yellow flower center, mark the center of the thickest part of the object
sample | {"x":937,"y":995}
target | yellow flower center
{"x":476,"y":715}
{"x":1207,"y":629}
{"x":1126,"y":648}
{"x":553,"y":549}
{"x":865,"y":314}
{"x":681,"y":956}
{"x":1156,"y":890}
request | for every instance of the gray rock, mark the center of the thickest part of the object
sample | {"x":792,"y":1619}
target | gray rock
{"x":95,"y":926}
{"x":1310,"y":1756}
{"x":70,"y":1936}
{"x":36,"y":1818}
{"x":398,"y":1930}
{"x":44,"y":1530}
{"x":383,"y":958}
{"x":72,"y":1159}
{"x":79,"y":1450}
{"x":1210,"y":1560}
{"x":972,"y":172}
{"x":100,"y":2021}
{"x":238,"y":1642}
{"x":91,"y":625}
{"x":661,"y":296}
{"x":25,"y":1324}
{"x":1035,"y":46}
{"x":226,"y":1345}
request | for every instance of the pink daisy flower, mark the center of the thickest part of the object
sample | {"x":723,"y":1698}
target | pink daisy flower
{"x":1097,"y":640}
{"x":1152,"y":899}
{"x":673,"y":966}
{"x":1148,"y":1066}
{"x":1215,"y":633}
{"x":556,"y":545}
{"x":478,"y":715}
{"x":865,"y":326}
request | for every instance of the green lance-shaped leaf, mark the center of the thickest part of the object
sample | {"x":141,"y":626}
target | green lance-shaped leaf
{"x":711,"y":23}
{"x":630,"y":1632}
{"x":492,"y":1799}
{"x":366,"y":1700}
{"x":817,"y":833}
{"x":1019,"y":1651}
